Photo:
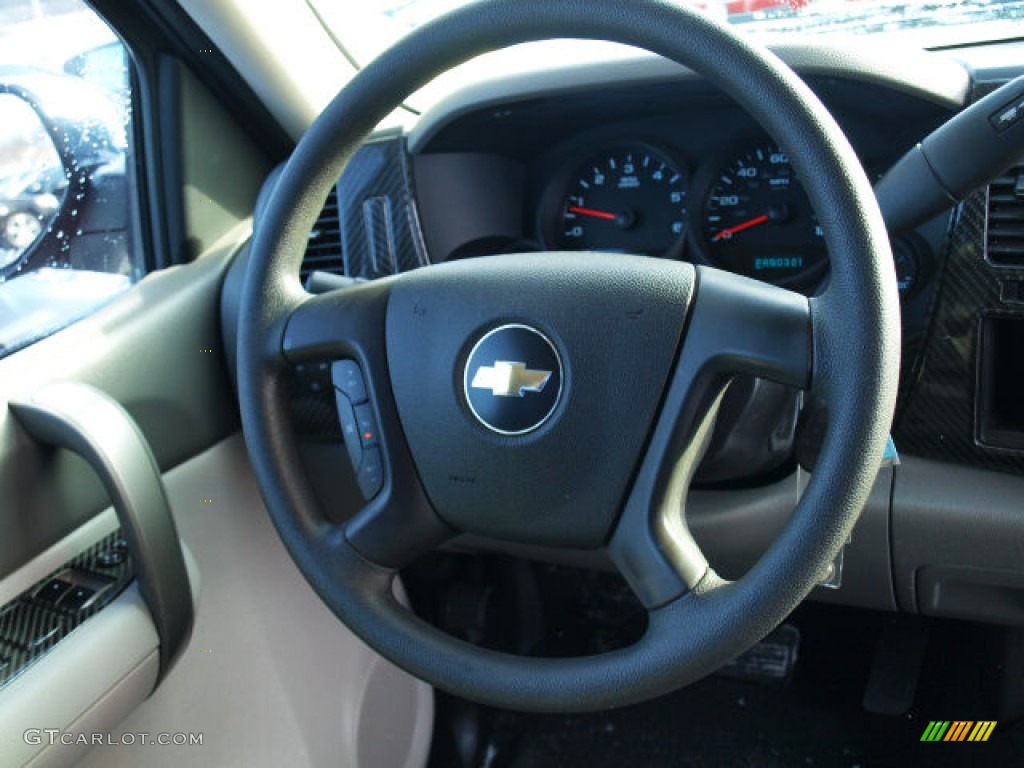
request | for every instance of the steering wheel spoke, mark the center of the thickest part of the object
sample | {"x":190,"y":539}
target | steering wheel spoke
{"x":346,"y":323}
{"x":398,"y":526}
{"x":345,"y":328}
{"x":742,"y":326}
{"x":736,"y":326}
{"x":398,"y":523}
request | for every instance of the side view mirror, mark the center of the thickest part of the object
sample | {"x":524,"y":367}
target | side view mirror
{"x":33,"y":182}
{"x":66,"y":235}
{"x":63,"y":186}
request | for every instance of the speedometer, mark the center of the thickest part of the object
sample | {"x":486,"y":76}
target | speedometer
{"x":758,"y":222}
{"x":630,"y":198}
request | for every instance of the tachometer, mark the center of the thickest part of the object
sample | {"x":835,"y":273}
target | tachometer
{"x":631,"y":198}
{"x":758,"y":221}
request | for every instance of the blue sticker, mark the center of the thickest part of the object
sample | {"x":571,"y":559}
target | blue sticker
{"x":890,"y":457}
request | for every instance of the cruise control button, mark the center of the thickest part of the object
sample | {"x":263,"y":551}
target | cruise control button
{"x":348,"y":377}
{"x":367,"y":424}
{"x":371,"y":473}
{"x":349,"y":429}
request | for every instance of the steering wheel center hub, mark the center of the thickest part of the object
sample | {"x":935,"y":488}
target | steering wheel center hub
{"x":527,"y":410}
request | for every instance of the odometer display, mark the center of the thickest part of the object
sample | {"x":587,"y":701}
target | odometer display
{"x":629,"y":199}
{"x":758,"y":221}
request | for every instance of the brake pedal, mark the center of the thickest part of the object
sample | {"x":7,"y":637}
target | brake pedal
{"x":896,"y":666}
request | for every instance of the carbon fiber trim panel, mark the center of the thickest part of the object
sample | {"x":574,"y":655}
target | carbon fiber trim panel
{"x":30,"y":626}
{"x":380,"y":235}
{"x":937,"y":421}
{"x":311,"y":399}
{"x":380,"y":231}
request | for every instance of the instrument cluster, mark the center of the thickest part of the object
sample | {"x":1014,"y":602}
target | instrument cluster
{"x":744,"y":211}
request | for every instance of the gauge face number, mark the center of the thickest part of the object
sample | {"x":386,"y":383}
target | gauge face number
{"x":758,"y":221}
{"x":631,"y":200}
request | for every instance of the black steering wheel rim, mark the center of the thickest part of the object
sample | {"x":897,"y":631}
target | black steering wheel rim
{"x":855,"y":362}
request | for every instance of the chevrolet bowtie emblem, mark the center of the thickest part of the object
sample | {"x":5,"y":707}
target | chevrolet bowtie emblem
{"x":509,"y":379}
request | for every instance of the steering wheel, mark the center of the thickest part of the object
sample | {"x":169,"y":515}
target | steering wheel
{"x":563,"y":399}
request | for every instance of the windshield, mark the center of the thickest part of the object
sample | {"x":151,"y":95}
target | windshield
{"x":928,"y":24}
{"x":364,"y":31}
{"x":353,"y":34}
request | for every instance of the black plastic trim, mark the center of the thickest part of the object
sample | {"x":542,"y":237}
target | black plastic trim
{"x":154,"y":28}
{"x":160,"y":39}
{"x":147,"y":140}
{"x":170,"y":186}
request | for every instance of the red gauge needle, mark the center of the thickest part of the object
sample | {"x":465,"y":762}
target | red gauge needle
{"x":592,"y":212}
{"x":740,"y":227}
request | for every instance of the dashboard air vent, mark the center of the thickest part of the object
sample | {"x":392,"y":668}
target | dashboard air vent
{"x":324,"y":250}
{"x":1005,"y":240}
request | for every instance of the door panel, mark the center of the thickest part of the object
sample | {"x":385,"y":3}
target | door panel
{"x":156,"y":351}
{"x":87,"y":684}
{"x":271,"y":677}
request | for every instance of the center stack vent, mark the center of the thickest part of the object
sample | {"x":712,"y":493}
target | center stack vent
{"x":323,"y":253}
{"x":1004,"y":242}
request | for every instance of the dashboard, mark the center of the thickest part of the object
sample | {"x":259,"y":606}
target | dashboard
{"x":646,"y":158}
{"x":664,"y":169}
{"x":642,"y":156}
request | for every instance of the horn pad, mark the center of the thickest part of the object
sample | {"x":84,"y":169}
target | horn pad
{"x":527,"y":385}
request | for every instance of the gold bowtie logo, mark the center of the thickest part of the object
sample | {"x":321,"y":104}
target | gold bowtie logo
{"x":510,"y":379}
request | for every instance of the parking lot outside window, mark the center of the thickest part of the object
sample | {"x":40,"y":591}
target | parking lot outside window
{"x":68,"y":234}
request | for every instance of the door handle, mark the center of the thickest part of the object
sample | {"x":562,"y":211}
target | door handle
{"x":90,"y":423}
